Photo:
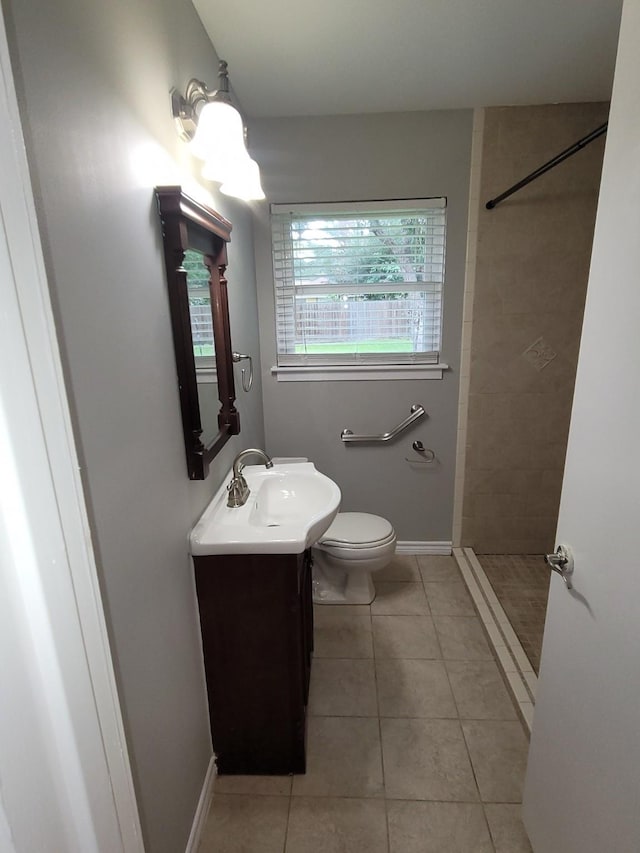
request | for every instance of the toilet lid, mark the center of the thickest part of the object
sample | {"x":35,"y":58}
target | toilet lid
{"x":358,"y":528}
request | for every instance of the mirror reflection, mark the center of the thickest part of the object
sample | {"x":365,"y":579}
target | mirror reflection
{"x":202,"y":336}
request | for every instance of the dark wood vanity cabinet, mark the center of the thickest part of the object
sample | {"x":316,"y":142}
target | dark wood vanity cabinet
{"x":256,"y":616}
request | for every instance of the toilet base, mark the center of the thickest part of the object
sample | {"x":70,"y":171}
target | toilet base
{"x":332,"y":586}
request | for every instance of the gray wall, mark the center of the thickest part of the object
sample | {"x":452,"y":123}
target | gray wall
{"x":342,"y":158}
{"x":532,"y":267}
{"x":94,"y":81}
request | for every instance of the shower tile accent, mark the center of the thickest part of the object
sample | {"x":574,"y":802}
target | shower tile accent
{"x":531,"y":265}
{"x":539,"y":354}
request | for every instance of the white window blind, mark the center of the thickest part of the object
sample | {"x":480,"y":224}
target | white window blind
{"x":359,"y":283}
{"x":200,"y":314}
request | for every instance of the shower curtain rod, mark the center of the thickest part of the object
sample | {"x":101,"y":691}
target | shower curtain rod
{"x":568,"y":152}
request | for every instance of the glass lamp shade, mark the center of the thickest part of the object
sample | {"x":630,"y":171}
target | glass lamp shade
{"x":219,"y":134}
{"x":244,"y":182}
{"x":223,"y":164}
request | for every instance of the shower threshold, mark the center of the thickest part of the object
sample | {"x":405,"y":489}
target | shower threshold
{"x":512,"y":658}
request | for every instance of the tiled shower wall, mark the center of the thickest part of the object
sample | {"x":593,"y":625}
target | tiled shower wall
{"x":531,"y":270}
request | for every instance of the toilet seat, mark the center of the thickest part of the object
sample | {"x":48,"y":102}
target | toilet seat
{"x":358,"y":536}
{"x":358,"y":530}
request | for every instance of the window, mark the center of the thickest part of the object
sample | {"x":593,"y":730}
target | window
{"x":359,"y":284}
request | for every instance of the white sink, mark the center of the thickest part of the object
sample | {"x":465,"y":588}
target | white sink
{"x":288,"y":510}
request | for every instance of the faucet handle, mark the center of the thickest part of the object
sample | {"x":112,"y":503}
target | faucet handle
{"x":238,"y":492}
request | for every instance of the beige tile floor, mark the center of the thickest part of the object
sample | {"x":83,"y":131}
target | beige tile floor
{"x":414,"y":745}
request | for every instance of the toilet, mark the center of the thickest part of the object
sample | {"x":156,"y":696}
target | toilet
{"x":344,"y":558}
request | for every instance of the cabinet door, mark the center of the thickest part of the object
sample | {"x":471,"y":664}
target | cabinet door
{"x":256,"y":621}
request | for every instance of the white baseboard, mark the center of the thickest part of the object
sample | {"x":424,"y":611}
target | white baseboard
{"x":203,"y":808}
{"x":440,"y":548}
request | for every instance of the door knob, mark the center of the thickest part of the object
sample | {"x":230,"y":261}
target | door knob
{"x":562,"y":563}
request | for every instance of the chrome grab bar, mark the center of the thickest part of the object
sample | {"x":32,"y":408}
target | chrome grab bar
{"x":417,"y":412}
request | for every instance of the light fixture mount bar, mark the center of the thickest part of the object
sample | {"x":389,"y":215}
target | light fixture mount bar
{"x":222,"y":92}
{"x":185,"y":108}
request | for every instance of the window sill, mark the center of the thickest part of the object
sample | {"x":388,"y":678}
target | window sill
{"x":206,"y":375}
{"x":348,"y":373}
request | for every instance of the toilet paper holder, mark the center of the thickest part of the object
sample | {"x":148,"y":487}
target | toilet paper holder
{"x":429,"y":455}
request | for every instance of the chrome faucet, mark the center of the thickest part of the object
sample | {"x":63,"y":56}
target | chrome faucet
{"x":238,"y":488}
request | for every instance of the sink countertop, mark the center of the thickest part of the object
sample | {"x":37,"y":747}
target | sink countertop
{"x":288,"y":509}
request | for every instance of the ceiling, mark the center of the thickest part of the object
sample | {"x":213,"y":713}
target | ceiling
{"x":291,"y":58}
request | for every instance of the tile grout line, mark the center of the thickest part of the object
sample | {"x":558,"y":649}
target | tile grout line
{"x":502,"y":651}
{"x":379,"y":798}
{"x":455,"y":702}
{"x":424,"y":588}
{"x":430,"y":614}
{"x":458,"y":718}
{"x":384,"y":784}
{"x":471,"y":764}
{"x":486,"y":820}
{"x":286,"y":829}
{"x":464,"y":737}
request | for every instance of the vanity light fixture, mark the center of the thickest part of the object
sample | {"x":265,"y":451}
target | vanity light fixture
{"x":215,"y":131}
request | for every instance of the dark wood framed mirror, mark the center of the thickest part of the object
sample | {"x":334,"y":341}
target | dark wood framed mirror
{"x":195,"y":253}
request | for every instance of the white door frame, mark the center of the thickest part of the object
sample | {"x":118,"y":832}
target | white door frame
{"x":65,"y":775}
